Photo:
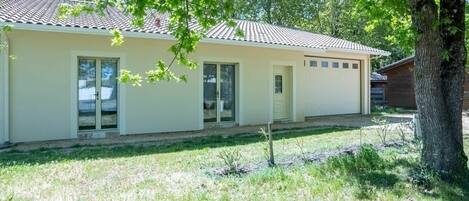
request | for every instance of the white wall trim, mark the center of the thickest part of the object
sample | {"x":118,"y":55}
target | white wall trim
{"x":294,"y":65}
{"x":74,"y":54}
{"x":103,"y":32}
{"x":4,"y":92}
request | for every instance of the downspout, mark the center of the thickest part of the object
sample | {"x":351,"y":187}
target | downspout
{"x":4,"y":84}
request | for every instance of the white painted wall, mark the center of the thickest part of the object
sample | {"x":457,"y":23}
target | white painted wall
{"x":42,"y":80}
{"x":4,"y":90}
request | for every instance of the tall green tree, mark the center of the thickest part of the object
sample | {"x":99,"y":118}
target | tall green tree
{"x":343,"y":19}
{"x":438,"y":32}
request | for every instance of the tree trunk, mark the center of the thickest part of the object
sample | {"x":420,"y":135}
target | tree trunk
{"x":439,"y":77}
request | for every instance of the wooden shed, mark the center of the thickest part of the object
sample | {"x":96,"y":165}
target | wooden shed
{"x":400,"y":84}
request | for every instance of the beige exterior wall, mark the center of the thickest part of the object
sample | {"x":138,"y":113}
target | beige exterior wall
{"x":43,"y":85}
{"x":4,"y":90}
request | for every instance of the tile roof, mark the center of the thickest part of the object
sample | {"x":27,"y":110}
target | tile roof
{"x":44,"y":12}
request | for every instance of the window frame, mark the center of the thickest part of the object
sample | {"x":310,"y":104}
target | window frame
{"x":325,"y":62}
{"x":335,"y":62}
{"x":313,"y":66}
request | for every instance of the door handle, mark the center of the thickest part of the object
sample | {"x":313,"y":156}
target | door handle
{"x":97,"y":95}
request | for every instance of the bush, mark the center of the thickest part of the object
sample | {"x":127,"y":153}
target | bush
{"x":232,"y":160}
{"x":422,"y":177}
{"x":366,"y":159}
{"x":383,"y":128}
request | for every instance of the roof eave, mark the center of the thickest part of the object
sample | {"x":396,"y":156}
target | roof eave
{"x":377,"y":53}
{"x":132,"y":34}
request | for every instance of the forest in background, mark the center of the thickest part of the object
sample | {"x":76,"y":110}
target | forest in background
{"x":360,"y":21}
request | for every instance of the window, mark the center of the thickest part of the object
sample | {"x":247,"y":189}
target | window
{"x":345,"y":65}
{"x":325,"y":64}
{"x":313,"y":63}
{"x":278,"y":84}
{"x":355,"y":66}
{"x":335,"y":64}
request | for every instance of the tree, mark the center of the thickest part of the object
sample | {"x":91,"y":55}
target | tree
{"x":350,"y":20}
{"x":440,"y":55}
{"x":438,"y":32}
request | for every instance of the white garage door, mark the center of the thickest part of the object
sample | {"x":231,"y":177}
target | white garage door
{"x":333,"y":86}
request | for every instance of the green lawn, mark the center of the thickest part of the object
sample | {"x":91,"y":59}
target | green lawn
{"x":386,"y":110}
{"x":181,"y":172}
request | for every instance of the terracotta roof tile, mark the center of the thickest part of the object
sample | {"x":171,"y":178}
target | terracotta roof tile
{"x":44,"y":12}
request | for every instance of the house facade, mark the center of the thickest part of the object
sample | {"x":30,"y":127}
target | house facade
{"x":61,"y":83}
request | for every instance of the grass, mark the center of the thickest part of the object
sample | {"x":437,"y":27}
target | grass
{"x":386,"y":110}
{"x":179,"y":172}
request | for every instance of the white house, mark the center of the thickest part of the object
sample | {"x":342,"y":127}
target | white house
{"x":62,"y":81}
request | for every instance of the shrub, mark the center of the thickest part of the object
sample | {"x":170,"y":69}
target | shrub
{"x":366,"y":159}
{"x":422,"y":177}
{"x":403,"y":129}
{"x":383,"y":128}
{"x":232,"y":160}
{"x":300,"y":143}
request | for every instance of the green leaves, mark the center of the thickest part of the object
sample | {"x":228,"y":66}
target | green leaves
{"x":125,"y":76}
{"x":117,"y":39}
{"x":182,"y":15}
{"x":7,"y":28}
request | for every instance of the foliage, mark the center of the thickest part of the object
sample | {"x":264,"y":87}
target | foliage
{"x":300,"y":144}
{"x":404,"y":128}
{"x":182,"y":14}
{"x":382,"y":110}
{"x":366,"y":159}
{"x":383,"y":129}
{"x":231,"y":159}
{"x":348,"y":20}
{"x":4,"y":30}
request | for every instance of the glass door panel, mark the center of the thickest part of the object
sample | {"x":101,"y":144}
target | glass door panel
{"x":227,"y":92}
{"x":86,"y":94}
{"x":210,"y":92}
{"x":109,"y":93}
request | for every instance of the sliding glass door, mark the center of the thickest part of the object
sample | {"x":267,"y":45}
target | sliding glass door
{"x":219,"y":93}
{"x":97,"y":93}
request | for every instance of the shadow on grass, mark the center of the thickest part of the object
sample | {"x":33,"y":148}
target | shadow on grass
{"x":370,"y":173}
{"x":86,"y":153}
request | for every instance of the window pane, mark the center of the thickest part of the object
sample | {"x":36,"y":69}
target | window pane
{"x":355,"y":66}
{"x":345,"y":65}
{"x":335,"y":64}
{"x":227,"y":93}
{"x":278,"y":84}
{"x":109,"y":93}
{"x":325,"y":64}
{"x":313,"y":63}
{"x":210,"y":93}
{"x":86,"y":94}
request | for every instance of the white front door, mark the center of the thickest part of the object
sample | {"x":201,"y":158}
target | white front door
{"x":97,"y":93}
{"x":282,"y":93}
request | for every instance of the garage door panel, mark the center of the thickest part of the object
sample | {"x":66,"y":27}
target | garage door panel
{"x":332,"y":89}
